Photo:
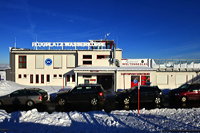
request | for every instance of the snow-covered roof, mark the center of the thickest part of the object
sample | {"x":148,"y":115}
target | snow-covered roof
{"x":4,"y":66}
{"x":107,"y":68}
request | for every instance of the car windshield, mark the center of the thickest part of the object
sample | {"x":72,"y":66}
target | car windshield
{"x":185,"y":86}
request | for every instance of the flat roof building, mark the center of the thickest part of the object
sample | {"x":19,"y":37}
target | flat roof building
{"x":98,"y":61}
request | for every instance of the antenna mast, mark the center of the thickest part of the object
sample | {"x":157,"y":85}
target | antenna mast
{"x":15,"y":44}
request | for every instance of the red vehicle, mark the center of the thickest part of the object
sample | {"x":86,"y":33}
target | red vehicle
{"x":185,"y":93}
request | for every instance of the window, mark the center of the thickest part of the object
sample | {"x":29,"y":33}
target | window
{"x":48,"y":78}
{"x":70,"y":60}
{"x":87,"y":56}
{"x":42,"y":78}
{"x":60,"y":75}
{"x":25,"y":76}
{"x":73,"y":78}
{"x":22,"y":61}
{"x":87,"y":62}
{"x":37,"y":79}
{"x":57,"y":61}
{"x":39,"y":61}
{"x":55,"y":75}
{"x":102,"y":56}
{"x":68,"y":78}
{"x":19,"y":76}
{"x":31,"y":78}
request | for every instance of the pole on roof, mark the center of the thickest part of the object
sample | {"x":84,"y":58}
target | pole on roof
{"x":15,"y":42}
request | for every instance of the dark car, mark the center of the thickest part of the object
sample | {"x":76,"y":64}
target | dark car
{"x":148,"y":94}
{"x":28,"y":97}
{"x":92,"y":94}
{"x":185,"y":93}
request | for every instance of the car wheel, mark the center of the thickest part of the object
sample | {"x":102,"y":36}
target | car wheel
{"x":30,"y":103}
{"x":184,"y":99}
{"x":157,"y":100}
{"x":61,"y":102}
{"x":94,"y":102}
{"x":126,"y":101}
{"x":1,"y":103}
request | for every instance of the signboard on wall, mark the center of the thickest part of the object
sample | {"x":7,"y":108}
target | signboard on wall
{"x":67,"y":44}
{"x":135,"y":62}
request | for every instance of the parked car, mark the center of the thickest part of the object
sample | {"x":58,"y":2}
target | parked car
{"x":185,"y":93}
{"x":92,"y":94}
{"x":148,"y":94}
{"x":28,"y":97}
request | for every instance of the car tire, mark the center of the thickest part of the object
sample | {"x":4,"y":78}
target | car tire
{"x":94,"y":102}
{"x":30,"y":103}
{"x":61,"y":101}
{"x":1,"y":103}
{"x":157,"y":100}
{"x":126,"y":101}
{"x":183,"y":99}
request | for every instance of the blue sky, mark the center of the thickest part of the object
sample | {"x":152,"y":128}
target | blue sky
{"x":142,"y":28}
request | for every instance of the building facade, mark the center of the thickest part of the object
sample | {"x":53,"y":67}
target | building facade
{"x":101,"y":64}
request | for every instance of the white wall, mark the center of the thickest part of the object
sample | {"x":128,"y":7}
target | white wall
{"x":3,"y":75}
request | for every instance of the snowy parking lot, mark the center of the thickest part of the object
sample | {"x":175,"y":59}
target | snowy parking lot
{"x":117,"y":121}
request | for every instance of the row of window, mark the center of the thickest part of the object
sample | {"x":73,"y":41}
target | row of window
{"x":57,"y":61}
{"x":40,"y":78}
{"x":40,"y":61}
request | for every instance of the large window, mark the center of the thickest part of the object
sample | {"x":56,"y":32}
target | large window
{"x":57,"y":61}
{"x":71,"y":60}
{"x":22,"y":61}
{"x":87,"y":56}
{"x":39,"y":61}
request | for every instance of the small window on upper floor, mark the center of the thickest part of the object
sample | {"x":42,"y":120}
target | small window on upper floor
{"x":103,"y":56}
{"x":87,"y":56}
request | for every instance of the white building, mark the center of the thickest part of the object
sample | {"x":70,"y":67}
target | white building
{"x":3,"y":68}
{"x":97,"y":62}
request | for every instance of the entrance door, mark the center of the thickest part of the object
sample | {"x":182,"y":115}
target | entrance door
{"x":106,"y":81}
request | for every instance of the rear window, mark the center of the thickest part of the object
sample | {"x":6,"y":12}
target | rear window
{"x":32,"y":93}
{"x":42,"y":91}
{"x":195,"y":86}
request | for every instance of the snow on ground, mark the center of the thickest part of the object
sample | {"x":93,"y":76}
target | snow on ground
{"x":155,"y":120}
{"x":119,"y":121}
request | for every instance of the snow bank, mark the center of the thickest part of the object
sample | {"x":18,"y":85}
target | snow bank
{"x":6,"y":87}
{"x":155,"y":120}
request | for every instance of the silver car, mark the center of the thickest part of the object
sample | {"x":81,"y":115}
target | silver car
{"x":28,"y":97}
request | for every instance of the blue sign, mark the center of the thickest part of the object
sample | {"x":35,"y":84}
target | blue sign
{"x":48,"y":62}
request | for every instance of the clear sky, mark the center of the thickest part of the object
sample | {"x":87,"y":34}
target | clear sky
{"x":142,"y":28}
